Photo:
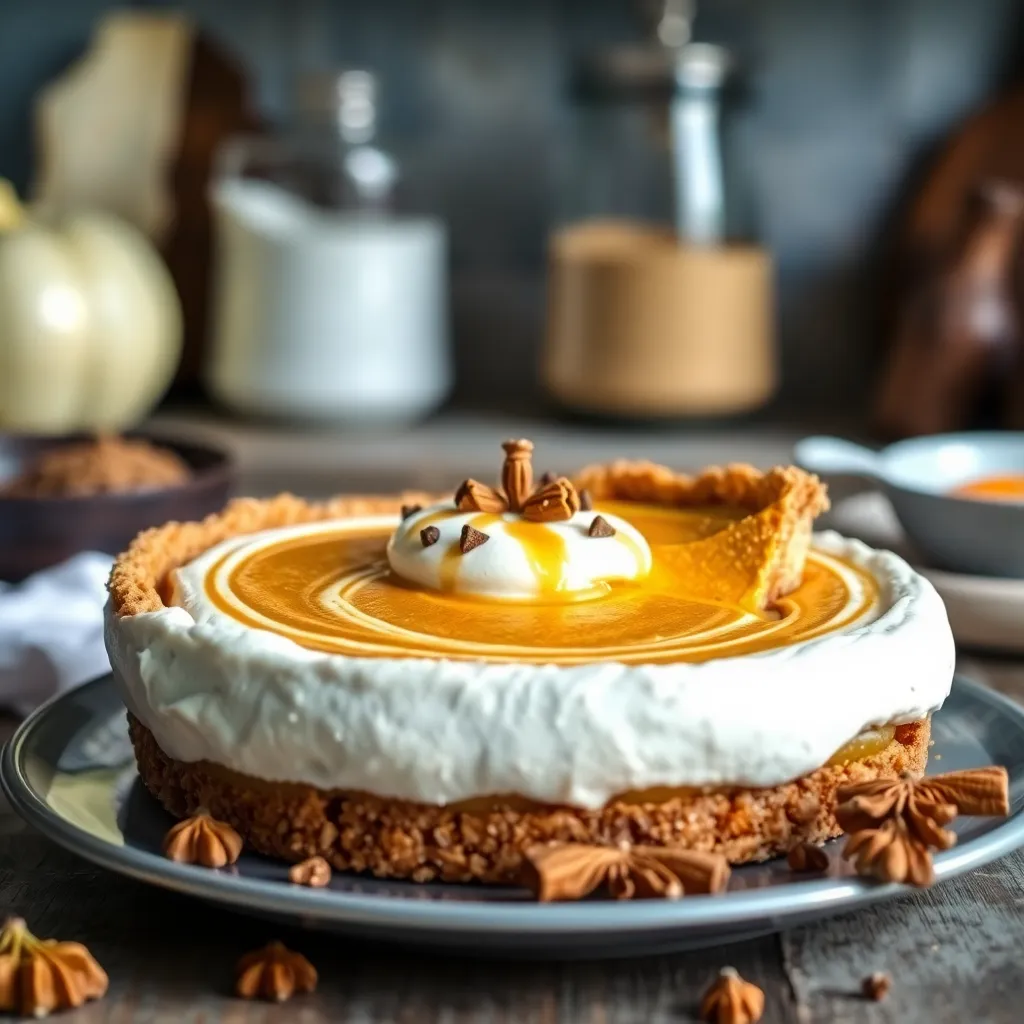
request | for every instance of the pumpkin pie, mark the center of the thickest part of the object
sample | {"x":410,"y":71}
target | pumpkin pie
{"x":425,"y":687}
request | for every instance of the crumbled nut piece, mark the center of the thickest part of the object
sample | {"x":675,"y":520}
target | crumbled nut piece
{"x":313,"y":871}
{"x":807,"y":857}
{"x":806,"y":810}
{"x":876,"y":986}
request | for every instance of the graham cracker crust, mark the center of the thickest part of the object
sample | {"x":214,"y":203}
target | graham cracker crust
{"x":399,"y":839}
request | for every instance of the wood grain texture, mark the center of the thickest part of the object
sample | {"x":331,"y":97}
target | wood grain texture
{"x":953,"y":953}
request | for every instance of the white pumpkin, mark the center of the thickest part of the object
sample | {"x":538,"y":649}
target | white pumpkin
{"x":90,"y":323}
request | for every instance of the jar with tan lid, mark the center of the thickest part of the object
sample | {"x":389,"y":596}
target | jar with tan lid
{"x":647,"y":320}
{"x":639,"y":325}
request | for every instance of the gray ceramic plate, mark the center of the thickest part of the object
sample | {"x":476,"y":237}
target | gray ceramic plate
{"x":68,"y":771}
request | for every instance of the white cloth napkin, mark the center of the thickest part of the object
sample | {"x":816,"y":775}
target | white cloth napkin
{"x":51,"y":631}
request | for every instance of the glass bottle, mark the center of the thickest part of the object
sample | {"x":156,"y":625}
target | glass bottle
{"x":328,"y":155}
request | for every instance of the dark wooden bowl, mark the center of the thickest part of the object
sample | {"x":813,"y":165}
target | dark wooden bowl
{"x":39,"y":532}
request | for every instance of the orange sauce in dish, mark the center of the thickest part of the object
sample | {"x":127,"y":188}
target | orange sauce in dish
{"x":1004,"y":487}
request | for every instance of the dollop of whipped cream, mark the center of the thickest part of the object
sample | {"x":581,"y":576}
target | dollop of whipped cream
{"x":520,"y":559}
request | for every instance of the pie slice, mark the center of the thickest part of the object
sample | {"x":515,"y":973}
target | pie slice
{"x":734,"y":567}
{"x":753,"y":561}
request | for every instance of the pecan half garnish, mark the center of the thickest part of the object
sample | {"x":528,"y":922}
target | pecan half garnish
{"x":473,"y":496}
{"x":38,"y":976}
{"x":731,"y":1000}
{"x":554,"y":500}
{"x":895,"y":823}
{"x":313,"y":871}
{"x":553,"y":503}
{"x":570,"y":871}
{"x":274,"y":973}
{"x":517,"y":472}
{"x":203,"y":840}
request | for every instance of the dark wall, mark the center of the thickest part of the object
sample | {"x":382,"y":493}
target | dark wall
{"x":842,"y":99}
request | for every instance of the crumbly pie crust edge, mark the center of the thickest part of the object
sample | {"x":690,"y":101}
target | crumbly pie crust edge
{"x":400,"y":839}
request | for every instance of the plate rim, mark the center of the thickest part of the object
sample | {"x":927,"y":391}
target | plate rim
{"x":778,"y":904}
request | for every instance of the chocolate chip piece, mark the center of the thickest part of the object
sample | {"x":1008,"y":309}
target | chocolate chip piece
{"x":548,"y":478}
{"x":430,"y":535}
{"x":471,"y":539}
{"x":600,"y":527}
{"x":586,"y":502}
{"x":410,"y":510}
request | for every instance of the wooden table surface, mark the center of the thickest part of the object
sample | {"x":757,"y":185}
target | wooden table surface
{"x":954,"y":953}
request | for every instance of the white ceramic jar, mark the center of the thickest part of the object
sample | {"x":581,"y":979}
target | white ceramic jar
{"x":324,"y":314}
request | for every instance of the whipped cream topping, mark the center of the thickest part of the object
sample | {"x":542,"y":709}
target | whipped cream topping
{"x":520,"y":559}
{"x":438,"y":731}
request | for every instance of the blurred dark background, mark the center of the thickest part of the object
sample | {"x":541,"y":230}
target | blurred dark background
{"x":843,"y":100}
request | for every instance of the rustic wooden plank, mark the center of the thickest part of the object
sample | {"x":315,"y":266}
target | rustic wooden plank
{"x":953,"y":952}
{"x":171,"y":958}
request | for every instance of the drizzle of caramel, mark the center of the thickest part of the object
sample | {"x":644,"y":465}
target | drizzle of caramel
{"x":546,"y":551}
{"x":332,"y":591}
{"x":866,"y":745}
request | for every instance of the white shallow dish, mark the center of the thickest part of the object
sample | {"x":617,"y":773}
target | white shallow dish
{"x":68,"y":771}
{"x":918,"y":476}
{"x":984,"y":611}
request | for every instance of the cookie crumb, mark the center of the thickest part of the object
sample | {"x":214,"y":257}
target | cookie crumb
{"x":107,"y":465}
